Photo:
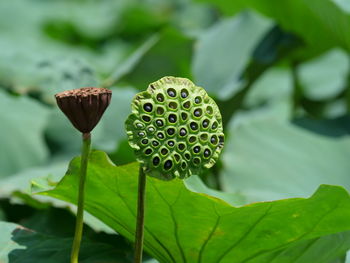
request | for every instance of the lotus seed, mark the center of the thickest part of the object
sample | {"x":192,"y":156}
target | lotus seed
{"x":159,"y":123}
{"x":148,"y":107}
{"x":146,"y":118}
{"x":156,"y":161}
{"x":171,"y":131}
{"x":160,"y":97}
{"x":206,"y":153}
{"x":171,"y":92}
{"x":168,"y":164}
{"x":194,"y":126}
{"x":172,"y":118}
{"x":183,"y":132}
{"x":196,"y":149}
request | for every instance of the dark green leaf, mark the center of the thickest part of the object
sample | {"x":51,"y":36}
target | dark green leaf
{"x":18,"y":244}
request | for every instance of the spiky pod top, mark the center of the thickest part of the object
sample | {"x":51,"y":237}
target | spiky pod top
{"x":175,"y":129}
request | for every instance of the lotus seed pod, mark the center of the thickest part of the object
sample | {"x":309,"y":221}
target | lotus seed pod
{"x":84,"y":107}
{"x":175,"y":129}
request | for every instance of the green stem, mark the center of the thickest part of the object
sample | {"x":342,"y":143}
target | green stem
{"x":80,"y":213}
{"x":140,"y":216}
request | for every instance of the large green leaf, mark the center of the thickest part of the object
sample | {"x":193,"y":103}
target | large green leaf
{"x":324,"y":77}
{"x":330,"y":19}
{"x":224,"y":50}
{"x":183,"y":226}
{"x":269,"y":159}
{"x":18,"y":244}
{"x":22,"y":124}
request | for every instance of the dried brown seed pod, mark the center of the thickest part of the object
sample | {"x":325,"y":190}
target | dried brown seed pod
{"x":84,"y":107}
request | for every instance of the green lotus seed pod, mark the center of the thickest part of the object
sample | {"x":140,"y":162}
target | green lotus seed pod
{"x":175,"y":129}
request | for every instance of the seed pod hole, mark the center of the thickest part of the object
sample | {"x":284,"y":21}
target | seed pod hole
{"x":139,"y":125}
{"x":184,"y":116}
{"x":170,"y":131}
{"x":151,"y":129}
{"x":221,"y":139}
{"x":196,"y":161}
{"x":171,"y":92}
{"x":187,"y":105}
{"x":155,"y":143}
{"x":148,"y":107}
{"x":148,"y":151}
{"x":168,"y":164}
{"x":177,"y":157}
{"x":209,"y":110}
{"x":214,"y":126}
{"x":160,"y":97}
{"x":160,"y":110}
{"x":156,"y":161}
{"x":207,"y":153}
{"x":173,"y":105}
{"x":171,"y":143}
{"x":194,"y":126}
{"x":204,"y":136}
{"x":181,"y":146}
{"x":146,"y":118}
{"x":172,"y":118}
{"x":160,"y":135}
{"x":164,"y":151}
{"x":183,"y":165}
{"x":183,"y":132}
{"x":214,"y":139}
{"x":187,"y":155}
{"x":184,"y":93}
{"x":159,"y":123}
{"x":205,"y":123}
{"x":144,"y":141}
{"x":141,"y":134}
{"x":198,"y":100}
{"x":198,"y":112}
{"x":196,"y":149}
{"x":192,"y":139}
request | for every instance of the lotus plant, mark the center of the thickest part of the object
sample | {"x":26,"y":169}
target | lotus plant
{"x":176,"y":130}
{"x":84,"y":108}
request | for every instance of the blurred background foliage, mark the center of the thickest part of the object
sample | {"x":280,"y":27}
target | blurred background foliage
{"x":279,"y":70}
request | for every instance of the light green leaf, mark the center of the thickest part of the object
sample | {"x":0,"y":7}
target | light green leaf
{"x":22,"y":124}
{"x":325,"y":76}
{"x":20,"y":182}
{"x":183,"y":226}
{"x":274,"y":85}
{"x":269,"y":159}
{"x":18,"y":244}
{"x":223,"y":51}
